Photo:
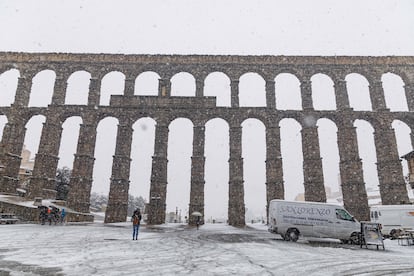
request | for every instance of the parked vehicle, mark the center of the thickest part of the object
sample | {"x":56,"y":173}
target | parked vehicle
{"x":394,"y":219}
{"x":8,"y":218}
{"x":292,"y":219}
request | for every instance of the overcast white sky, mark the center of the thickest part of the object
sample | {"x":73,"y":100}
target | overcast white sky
{"x":318,"y":27}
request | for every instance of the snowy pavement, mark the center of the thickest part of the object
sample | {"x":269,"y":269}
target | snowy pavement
{"x":214,"y":249}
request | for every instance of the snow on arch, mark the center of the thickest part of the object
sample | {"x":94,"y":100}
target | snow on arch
{"x":323,"y":92}
{"x":113,"y":83}
{"x":328,"y":145}
{"x":69,"y":141}
{"x":146,"y":84}
{"x":252,"y":90}
{"x":367,"y":152}
{"x":394,"y":93}
{"x":357,"y":87}
{"x":104,"y":151}
{"x":216,"y":191}
{"x":403,"y":138}
{"x":254,"y":168}
{"x":292,"y":158}
{"x":287,"y":92}
{"x":8,"y":86}
{"x":180,"y":150}
{"x":142,"y":151}
{"x":34,"y":127}
{"x":217,"y":84}
{"x":77,"y":91}
{"x":41,"y":92}
{"x":3,"y":122}
{"x":183,"y":84}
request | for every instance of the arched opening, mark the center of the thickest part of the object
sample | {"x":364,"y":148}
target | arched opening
{"x":112,"y":83}
{"x":217,"y":84}
{"x":42,"y":88}
{"x":3,"y":122}
{"x":394,"y":92}
{"x":180,"y":140}
{"x":357,"y":87}
{"x":368,"y":155}
{"x":8,"y":86}
{"x":104,"y":151}
{"x":142,"y":151}
{"x":254,"y":169}
{"x":328,"y":145}
{"x":323,"y":92}
{"x":146,"y":84}
{"x":69,"y":141}
{"x":183,"y":85}
{"x":31,"y":142}
{"x":78,"y":88}
{"x":404,"y":146}
{"x":252,"y":90}
{"x":292,"y":159}
{"x":216,"y":191}
{"x":288,"y":93}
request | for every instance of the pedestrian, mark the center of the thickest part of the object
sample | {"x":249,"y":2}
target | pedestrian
{"x":49,"y":215}
{"x":62,"y":215}
{"x":136,"y":220}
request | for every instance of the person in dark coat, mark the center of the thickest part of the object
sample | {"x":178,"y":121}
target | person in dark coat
{"x":136,"y":220}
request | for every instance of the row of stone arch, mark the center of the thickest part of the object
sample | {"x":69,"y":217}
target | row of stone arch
{"x":311,"y":148}
{"x":129,"y":107}
{"x":251,"y":88}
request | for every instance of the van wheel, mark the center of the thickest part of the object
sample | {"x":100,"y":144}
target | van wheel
{"x":355,"y":238}
{"x":394,"y":234}
{"x":292,"y":235}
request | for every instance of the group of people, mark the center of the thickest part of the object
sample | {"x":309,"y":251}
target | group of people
{"x":51,"y":215}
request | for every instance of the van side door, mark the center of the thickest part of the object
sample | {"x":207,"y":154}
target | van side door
{"x":345,"y":224}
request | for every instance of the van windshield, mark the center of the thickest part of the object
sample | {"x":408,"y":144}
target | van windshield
{"x":344,"y":215}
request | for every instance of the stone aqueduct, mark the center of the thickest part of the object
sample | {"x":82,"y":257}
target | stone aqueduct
{"x":164,"y":108}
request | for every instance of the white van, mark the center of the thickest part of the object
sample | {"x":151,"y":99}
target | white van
{"x":393,"y":218}
{"x":312,"y":219}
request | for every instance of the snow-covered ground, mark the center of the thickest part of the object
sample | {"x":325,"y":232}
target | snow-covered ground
{"x":172,"y":249}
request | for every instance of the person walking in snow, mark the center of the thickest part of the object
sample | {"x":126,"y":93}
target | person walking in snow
{"x":136,"y":220}
{"x":62,"y":215}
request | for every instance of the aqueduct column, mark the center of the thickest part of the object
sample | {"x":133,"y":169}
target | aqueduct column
{"x":392,"y":184}
{"x":12,"y":145}
{"x":158,"y":189}
{"x":350,"y":165}
{"x":312,"y":162}
{"x":274,"y":169}
{"x":197,"y":174}
{"x":376,"y":93}
{"x":94,"y":91}
{"x":236,"y":211}
{"x":270,"y":94}
{"x":24,"y":86}
{"x":341,"y":94}
{"x":118,"y":191}
{"x":164,"y":88}
{"x":43,"y":181}
{"x":81,"y":178}
{"x":234,"y":90}
{"x":306,"y":92}
{"x":59,"y":91}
